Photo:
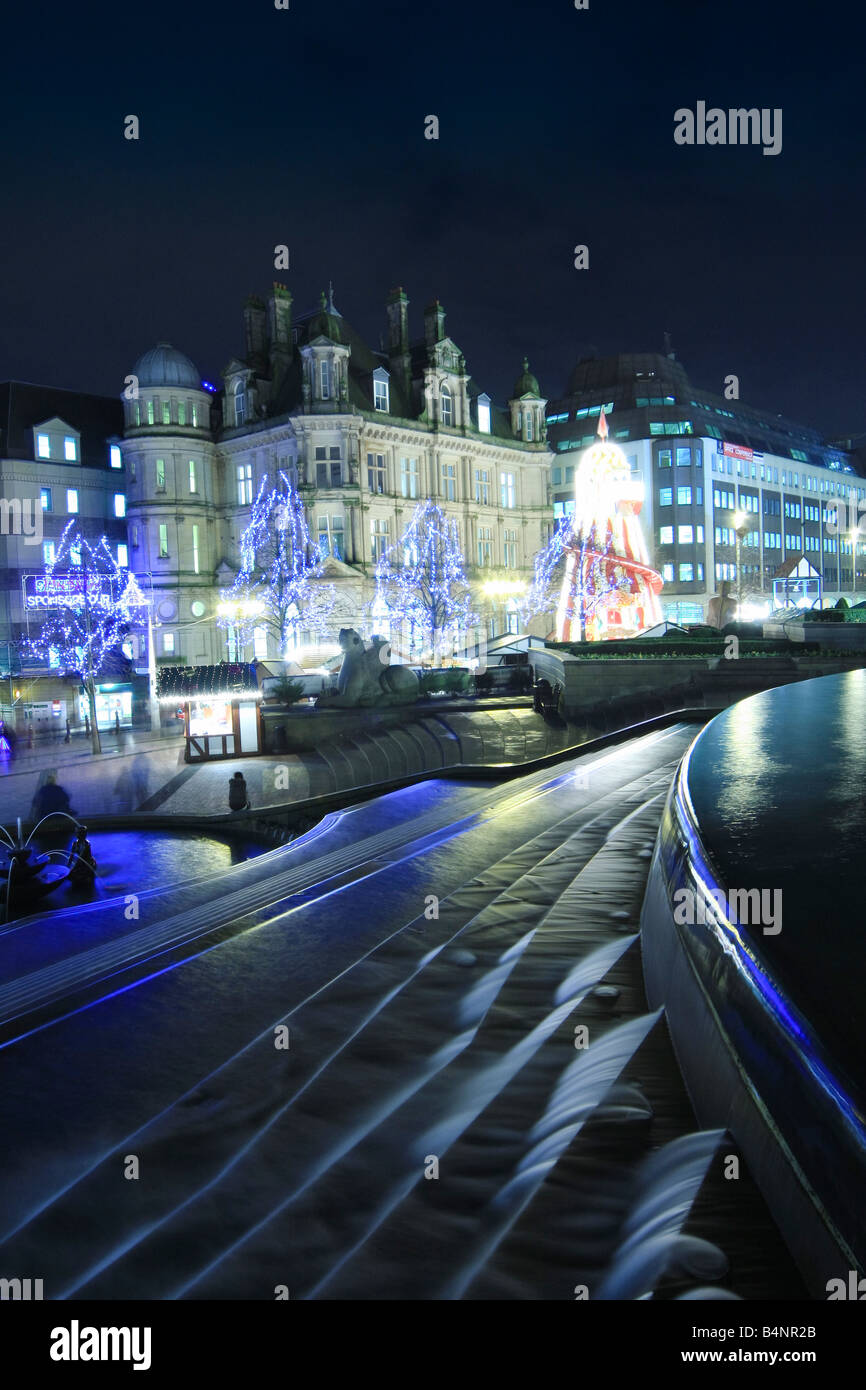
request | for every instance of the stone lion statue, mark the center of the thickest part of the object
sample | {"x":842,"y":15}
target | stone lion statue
{"x":367,"y":677}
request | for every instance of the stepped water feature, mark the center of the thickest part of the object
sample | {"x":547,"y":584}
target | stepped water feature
{"x":409,"y":1059}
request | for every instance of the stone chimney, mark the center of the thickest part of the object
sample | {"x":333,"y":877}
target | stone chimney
{"x":399,"y":359}
{"x":280,"y":329}
{"x":256,"y":332}
{"x":434,"y":324}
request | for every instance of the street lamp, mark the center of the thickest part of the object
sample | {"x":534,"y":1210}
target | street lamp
{"x":237,"y":611}
{"x":741,"y":526}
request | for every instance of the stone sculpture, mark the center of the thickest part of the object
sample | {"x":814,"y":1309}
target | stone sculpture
{"x":367,"y":679}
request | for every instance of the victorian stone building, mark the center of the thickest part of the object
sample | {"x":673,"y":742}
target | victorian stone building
{"x":364,"y":434}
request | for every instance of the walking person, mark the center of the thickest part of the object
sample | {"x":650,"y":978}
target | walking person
{"x":238,"y":798}
{"x":68,"y":733}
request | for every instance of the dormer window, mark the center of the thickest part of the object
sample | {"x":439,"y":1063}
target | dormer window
{"x":381,"y":390}
{"x":55,"y":439}
{"x":240,"y":403}
{"x":484,"y":414}
{"x":447,"y":406}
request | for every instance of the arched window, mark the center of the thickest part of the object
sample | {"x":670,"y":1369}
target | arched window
{"x":240,"y":403}
{"x":447,"y":406}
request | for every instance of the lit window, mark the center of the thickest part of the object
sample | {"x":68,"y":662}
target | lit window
{"x":192,"y":486}
{"x":482,"y":486}
{"x":378,"y":539}
{"x":684,"y":496}
{"x":75,"y":553}
{"x":70,"y":449}
{"x":664,"y":458}
{"x":48,"y":552}
{"x":43,"y":446}
{"x":331,"y":536}
{"x":45,"y":498}
{"x":72,"y":499}
{"x":506,"y":489}
{"x":527,"y":431}
{"x":381,"y":391}
{"x":119,"y":504}
{"x":150,"y":412}
{"x":446,"y":406}
{"x":163,"y":541}
{"x":160,"y":475}
{"x":376,"y":473}
{"x":687,"y":573}
{"x":484,"y":414}
{"x":409,"y":477}
{"x":122,"y":555}
{"x":666,"y":535}
{"x":245,"y":484}
{"x":115,"y":456}
{"x":181,"y":412}
{"x":195,"y":548}
{"x":485,"y":546}
{"x":260,"y":643}
{"x":136,"y":413}
{"x":166,"y":413}
{"x":685,"y":535}
{"x":666,"y":497}
{"x":168,"y":642}
{"x":668,"y":573}
{"x":195,"y":417}
{"x":684,"y":457}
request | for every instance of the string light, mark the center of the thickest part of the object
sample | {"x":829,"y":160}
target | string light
{"x":275,"y":587}
{"x":89,"y":602}
{"x":421,"y":582}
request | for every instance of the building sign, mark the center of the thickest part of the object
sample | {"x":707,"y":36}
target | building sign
{"x":736,"y":451}
{"x":67,"y":590}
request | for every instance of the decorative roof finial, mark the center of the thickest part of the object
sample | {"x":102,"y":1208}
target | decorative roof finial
{"x":331,"y":295}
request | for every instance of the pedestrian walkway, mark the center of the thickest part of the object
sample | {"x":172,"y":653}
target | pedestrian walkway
{"x":151,"y":776}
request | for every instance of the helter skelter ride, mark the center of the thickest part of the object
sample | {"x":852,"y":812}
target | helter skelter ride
{"x":609,"y":590}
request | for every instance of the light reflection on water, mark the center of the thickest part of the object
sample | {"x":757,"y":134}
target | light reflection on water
{"x":135,"y":860}
{"x":778,"y":783}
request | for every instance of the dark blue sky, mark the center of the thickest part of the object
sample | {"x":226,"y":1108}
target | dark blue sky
{"x":261,"y":126}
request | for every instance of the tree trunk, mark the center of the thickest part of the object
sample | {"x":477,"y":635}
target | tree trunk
{"x":90,"y":687}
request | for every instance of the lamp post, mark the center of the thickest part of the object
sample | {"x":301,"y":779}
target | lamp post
{"x":236,"y":611}
{"x":741,"y":526}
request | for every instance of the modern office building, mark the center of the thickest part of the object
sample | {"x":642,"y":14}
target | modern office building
{"x":364,"y":434}
{"x":730,"y":492}
{"x":60,"y":462}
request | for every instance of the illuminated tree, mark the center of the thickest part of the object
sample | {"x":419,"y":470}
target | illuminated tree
{"x":89,"y":603}
{"x":422,"y":585}
{"x":277,"y":587}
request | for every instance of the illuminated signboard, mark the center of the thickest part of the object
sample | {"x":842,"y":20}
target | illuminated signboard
{"x":67,"y":590}
{"x":736,"y":451}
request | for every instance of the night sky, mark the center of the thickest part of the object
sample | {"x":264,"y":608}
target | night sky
{"x":306,"y":127}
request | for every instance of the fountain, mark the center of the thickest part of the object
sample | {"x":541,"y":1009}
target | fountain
{"x":25,"y":866}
